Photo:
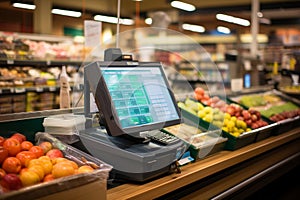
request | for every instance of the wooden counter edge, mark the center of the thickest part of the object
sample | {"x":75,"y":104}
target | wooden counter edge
{"x":200,"y":169}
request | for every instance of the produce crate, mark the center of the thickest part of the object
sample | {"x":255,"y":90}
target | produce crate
{"x":266,"y":131}
{"x":287,"y":125}
{"x":201,"y":144}
{"x":244,"y":139}
{"x":90,"y":185}
{"x":232,"y":142}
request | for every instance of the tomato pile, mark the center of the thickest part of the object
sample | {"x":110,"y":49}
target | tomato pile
{"x":23,"y":163}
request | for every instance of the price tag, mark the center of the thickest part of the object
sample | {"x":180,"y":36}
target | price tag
{"x":10,"y":62}
{"x":48,"y":62}
{"x":52,"y":89}
{"x":19,"y":90}
{"x":39,"y":89}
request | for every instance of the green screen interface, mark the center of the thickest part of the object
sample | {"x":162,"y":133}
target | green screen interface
{"x":140,"y":95}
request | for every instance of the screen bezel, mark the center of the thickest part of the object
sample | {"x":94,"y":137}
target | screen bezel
{"x":105,"y":105}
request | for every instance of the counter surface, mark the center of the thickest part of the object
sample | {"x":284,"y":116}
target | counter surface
{"x":262,"y":155}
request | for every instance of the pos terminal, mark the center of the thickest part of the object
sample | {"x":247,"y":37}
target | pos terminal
{"x":134,"y":102}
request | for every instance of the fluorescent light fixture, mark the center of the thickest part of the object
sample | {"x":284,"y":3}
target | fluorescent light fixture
{"x":69,"y":13}
{"x":231,"y":19}
{"x":223,"y":29}
{"x":24,"y":5}
{"x":148,"y":21}
{"x":183,"y":6}
{"x":127,"y":21}
{"x":194,"y":28}
{"x":113,"y":20}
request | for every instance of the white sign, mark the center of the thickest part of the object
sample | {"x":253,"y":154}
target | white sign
{"x":92,"y":33}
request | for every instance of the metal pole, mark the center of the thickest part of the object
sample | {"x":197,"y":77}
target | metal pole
{"x":118,"y":23}
{"x":254,"y":27}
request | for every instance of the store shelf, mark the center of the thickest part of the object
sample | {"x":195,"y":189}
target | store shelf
{"x":38,"y":63}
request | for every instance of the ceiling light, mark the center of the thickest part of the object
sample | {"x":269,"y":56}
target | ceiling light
{"x":148,"y":21}
{"x":260,"y":14}
{"x":114,"y":20}
{"x":223,"y":29}
{"x":23,"y":5}
{"x":232,"y":19}
{"x":183,"y":6}
{"x":69,"y":13}
{"x":126,"y":21}
{"x":194,"y":28}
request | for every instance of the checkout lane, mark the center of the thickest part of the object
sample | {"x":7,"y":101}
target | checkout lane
{"x":242,"y":164}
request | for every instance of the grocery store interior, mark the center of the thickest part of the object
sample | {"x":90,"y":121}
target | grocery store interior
{"x":163,"y":99}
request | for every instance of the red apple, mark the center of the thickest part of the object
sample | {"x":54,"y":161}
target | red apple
{"x":2,"y":139}
{"x":26,"y":145}
{"x":46,"y":146}
{"x":12,"y":145}
{"x":20,"y":137}
{"x":37,"y":150}
{"x":248,"y":122}
{"x":12,"y":165}
{"x":246,"y":114}
{"x":254,"y":118}
{"x":230,"y":110}
{"x":12,"y":182}
{"x":3,"y":154}
{"x":55,"y":153}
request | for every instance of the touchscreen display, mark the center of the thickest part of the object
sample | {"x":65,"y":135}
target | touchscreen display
{"x":140,"y":95}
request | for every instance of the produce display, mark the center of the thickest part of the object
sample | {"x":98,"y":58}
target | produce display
{"x":225,"y":121}
{"x":270,"y":105}
{"x":12,"y":47}
{"x":292,"y":89}
{"x":252,"y":117}
{"x":25,"y":164}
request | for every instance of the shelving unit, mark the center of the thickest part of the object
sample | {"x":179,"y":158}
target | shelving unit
{"x":205,"y":73}
{"x":29,"y":94}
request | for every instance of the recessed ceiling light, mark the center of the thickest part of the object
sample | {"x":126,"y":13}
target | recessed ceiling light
{"x":259,"y":14}
{"x":24,"y":6}
{"x":232,"y":19}
{"x":69,"y":13}
{"x":113,"y":20}
{"x":223,"y":29}
{"x":194,"y":28}
{"x":148,"y":21}
{"x":183,"y":6}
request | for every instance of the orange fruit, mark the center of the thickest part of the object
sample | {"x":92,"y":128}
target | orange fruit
{"x":29,"y":177}
{"x":47,"y":166}
{"x":38,"y":169}
{"x":63,"y":169}
{"x":84,"y":169}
